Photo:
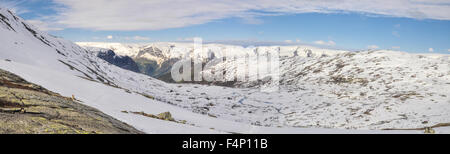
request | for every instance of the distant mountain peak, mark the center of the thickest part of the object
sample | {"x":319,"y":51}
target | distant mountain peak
{"x":124,"y":62}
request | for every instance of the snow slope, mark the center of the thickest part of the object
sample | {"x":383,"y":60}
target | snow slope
{"x":68,"y":69}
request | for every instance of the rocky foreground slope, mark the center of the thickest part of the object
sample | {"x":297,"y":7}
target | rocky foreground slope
{"x":26,"y":108}
{"x":156,"y":59}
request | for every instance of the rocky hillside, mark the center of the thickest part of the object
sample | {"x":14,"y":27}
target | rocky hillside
{"x":124,"y":62}
{"x":26,"y":108}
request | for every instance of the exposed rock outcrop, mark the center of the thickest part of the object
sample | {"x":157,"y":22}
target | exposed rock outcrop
{"x":26,"y":108}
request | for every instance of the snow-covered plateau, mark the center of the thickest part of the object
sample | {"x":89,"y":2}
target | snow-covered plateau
{"x":321,"y":90}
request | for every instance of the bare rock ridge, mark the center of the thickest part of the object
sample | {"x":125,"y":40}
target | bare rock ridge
{"x":26,"y":108}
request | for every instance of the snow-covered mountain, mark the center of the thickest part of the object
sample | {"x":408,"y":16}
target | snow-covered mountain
{"x":304,"y":100}
{"x":161,"y":51}
{"x":124,"y":62}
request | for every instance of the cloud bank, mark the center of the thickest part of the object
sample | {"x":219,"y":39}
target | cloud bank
{"x":128,"y":15}
{"x":14,"y":6}
{"x":329,"y":43}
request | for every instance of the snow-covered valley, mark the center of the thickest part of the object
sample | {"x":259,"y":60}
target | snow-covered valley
{"x":321,"y":90}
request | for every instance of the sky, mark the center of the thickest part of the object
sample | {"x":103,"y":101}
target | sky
{"x":416,"y":26}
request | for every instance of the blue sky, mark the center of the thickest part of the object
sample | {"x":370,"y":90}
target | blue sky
{"x":345,"y":27}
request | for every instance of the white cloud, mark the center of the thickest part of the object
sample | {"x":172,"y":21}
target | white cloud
{"x":298,"y":40}
{"x":395,"y":47}
{"x":430,"y":50}
{"x":14,"y":6}
{"x":44,"y":26}
{"x":448,"y":50}
{"x":141,"y":38}
{"x":164,"y":14}
{"x":329,"y":43}
{"x":122,"y":38}
{"x":288,"y":41}
{"x":246,"y":42}
{"x":138,"y":38}
{"x":373,"y":47}
{"x":187,"y":39}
